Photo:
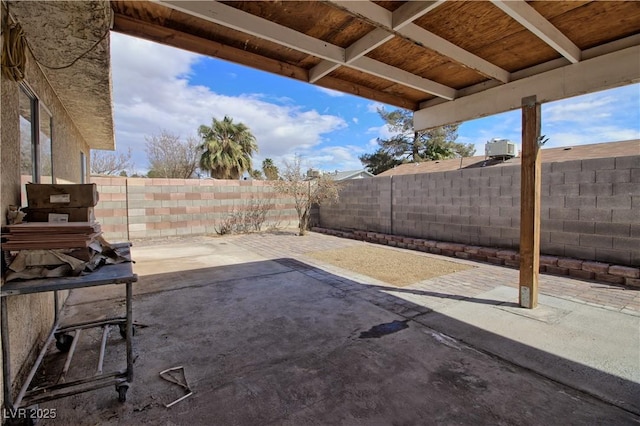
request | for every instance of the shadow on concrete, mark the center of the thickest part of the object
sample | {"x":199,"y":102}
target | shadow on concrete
{"x":436,"y":294}
{"x":278,"y":342}
{"x":612,"y":389}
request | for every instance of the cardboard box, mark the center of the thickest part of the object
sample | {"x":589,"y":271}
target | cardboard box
{"x":49,"y":196}
{"x":61,"y":214}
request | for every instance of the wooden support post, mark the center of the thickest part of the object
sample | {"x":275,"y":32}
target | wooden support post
{"x":530,"y":184}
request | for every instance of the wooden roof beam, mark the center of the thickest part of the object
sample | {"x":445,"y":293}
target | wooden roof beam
{"x":401,"y":17}
{"x":590,"y":75}
{"x":533,"y":21}
{"x":236,"y":19}
{"x":358,"y":49}
{"x":385,"y":19}
{"x":412,"y":10}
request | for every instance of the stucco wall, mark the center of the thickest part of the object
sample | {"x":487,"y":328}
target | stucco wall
{"x":31,"y":315}
{"x":589,"y":208}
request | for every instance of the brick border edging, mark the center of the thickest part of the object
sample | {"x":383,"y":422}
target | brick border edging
{"x":564,"y":266}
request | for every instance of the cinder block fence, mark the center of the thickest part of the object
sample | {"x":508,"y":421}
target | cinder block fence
{"x":590,"y":208}
{"x":136,"y":208}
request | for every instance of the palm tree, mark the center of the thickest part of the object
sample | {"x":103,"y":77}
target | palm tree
{"x":269,"y":169}
{"x":228,"y":148}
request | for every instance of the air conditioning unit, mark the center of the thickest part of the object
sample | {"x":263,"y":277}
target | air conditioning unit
{"x":312,"y":174}
{"x":500,"y":148}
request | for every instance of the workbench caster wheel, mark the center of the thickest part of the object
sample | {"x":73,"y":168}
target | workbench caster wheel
{"x":123,"y":330}
{"x":63,"y":342}
{"x":122,"y":392}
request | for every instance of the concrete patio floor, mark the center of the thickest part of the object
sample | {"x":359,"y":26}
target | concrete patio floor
{"x":267,"y":335}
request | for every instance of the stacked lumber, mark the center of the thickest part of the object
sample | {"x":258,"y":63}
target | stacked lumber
{"x":48,"y":235}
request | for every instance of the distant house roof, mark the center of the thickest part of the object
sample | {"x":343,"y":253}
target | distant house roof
{"x":549,"y":155}
{"x":350,"y":174}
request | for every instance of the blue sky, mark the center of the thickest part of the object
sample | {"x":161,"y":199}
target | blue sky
{"x":157,"y":87}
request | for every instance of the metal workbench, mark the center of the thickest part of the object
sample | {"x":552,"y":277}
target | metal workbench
{"x":67,"y":337}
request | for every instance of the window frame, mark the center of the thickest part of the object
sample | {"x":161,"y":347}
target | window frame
{"x":36,"y":161}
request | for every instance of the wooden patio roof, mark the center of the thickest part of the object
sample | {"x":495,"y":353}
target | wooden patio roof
{"x":448,"y":61}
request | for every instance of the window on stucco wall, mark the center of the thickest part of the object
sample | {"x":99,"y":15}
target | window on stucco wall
{"x":36,"y":163}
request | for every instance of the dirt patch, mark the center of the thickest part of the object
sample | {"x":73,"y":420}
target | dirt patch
{"x":394,"y":267}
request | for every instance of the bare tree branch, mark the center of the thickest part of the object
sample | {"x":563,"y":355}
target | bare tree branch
{"x":170,"y":157}
{"x":110,"y":163}
{"x":305,"y":191}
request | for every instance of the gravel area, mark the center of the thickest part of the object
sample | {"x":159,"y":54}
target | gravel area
{"x":394,"y":267}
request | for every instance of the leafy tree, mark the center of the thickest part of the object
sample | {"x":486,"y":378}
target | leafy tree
{"x":408,"y":145}
{"x":305,"y":192}
{"x":270,"y":170}
{"x":110,"y":163}
{"x":227,"y":148}
{"x":379,"y":161}
{"x":171,"y":157}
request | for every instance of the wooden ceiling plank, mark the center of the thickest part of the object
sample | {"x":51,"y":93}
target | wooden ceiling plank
{"x":236,"y":19}
{"x":411,"y":11}
{"x":379,"y":16}
{"x":368,"y":10}
{"x":388,"y":72}
{"x":456,"y":53}
{"x":587,"y":76}
{"x":533,"y":21}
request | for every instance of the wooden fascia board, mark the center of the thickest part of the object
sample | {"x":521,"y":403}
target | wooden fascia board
{"x":587,"y":76}
{"x":170,"y":37}
{"x":533,"y":21}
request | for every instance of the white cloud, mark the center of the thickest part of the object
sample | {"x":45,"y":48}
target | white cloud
{"x":594,"y":107}
{"x":152,"y":92}
{"x":355,"y":120}
{"x":331,"y":158}
{"x":330,"y":92}
{"x":374,"y":106}
{"x":598,"y":117}
{"x":594,"y":134}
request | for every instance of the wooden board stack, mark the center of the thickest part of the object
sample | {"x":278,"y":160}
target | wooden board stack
{"x":46,"y":235}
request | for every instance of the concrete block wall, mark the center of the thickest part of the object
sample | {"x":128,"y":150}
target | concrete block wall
{"x":590,"y":209}
{"x":138,"y":208}
{"x":365,"y":202}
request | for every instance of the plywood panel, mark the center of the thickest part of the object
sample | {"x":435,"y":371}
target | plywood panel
{"x":518,"y":51}
{"x":599,"y":22}
{"x":470,"y":25}
{"x":426,"y":63}
{"x":336,"y":26}
{"x":406,"y":55}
